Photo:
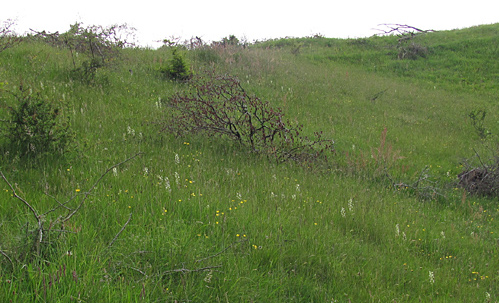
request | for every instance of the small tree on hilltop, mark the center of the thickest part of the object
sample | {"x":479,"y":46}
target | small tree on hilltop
{"x":177,"y":67}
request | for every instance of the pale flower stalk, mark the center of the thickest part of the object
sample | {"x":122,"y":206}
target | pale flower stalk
{"x":177,"y":178}
{"x":167,"y":185}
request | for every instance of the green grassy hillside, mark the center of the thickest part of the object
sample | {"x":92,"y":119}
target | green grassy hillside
{"x":200,"y":219}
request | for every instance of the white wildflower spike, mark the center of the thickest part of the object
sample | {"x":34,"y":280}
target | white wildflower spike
{"x":177,"y":178}
{"x":442,"y":234}
{"x":343,"y":212}
{"x":397,"y":230}
{"x":177,"y":159}
{"x":350,"y":205}
{"x":432,"y":277}
{"x":130,"y":131}
{"x":167,"y":185}
{"x":115,"y":171}
{"x":297,"y":187}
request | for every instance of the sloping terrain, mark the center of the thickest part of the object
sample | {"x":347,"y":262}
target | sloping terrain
{"x":129,"y":212}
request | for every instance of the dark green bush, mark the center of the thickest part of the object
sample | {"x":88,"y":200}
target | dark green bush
{"x":177,"y":67}
{"x":37,"y":125}
{"x":87,"y":72}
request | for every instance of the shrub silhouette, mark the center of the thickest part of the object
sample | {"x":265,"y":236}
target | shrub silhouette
{"x":217,"y":105}
{"x":37,"y":126}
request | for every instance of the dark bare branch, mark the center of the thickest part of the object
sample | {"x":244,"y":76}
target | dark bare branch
{"x":121,"y":230}
{"x":87,"y":193}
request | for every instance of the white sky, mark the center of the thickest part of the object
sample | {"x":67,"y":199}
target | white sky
{"x":255,"y":19}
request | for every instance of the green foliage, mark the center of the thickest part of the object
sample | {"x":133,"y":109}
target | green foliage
{"x":37,"y":125}
{"x":214,"y":223}
{"x":412,"y":51}
{"x":177,"y":67}
{"x":87,"y":72}
{"x":231,"y":40}
{"x":477,"y":117}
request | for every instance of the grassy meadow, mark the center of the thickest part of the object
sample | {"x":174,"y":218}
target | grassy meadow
{"x":200,"y":219}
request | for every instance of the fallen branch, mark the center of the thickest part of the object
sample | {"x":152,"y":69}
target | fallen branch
{"x":87,"y":193}
{"x":38,"y":217}
{"x":121,"y":230}
{"x":428,"y":191}
{"x":222,"y":251}
{"x":186,"y":270}
{"x":41,"y":218}
{"x":6,"y":256}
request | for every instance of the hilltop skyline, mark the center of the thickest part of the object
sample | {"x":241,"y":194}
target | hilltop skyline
{"x":259,"y":21}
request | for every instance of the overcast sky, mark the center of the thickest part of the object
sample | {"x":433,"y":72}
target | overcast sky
{"x":254,"y":20}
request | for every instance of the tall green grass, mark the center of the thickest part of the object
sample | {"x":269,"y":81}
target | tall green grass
{"x":202,"y":220}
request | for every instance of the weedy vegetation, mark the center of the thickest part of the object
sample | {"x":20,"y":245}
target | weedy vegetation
{"x":288,"y":170}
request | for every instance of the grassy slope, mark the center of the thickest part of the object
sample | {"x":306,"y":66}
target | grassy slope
{"x":266,"y":233}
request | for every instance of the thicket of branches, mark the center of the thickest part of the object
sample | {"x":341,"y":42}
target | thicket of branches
{"x":7,"y":36}
{"x":406,"y":46}
{"x":218,"y":105}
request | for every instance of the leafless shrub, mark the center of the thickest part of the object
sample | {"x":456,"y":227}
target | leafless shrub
{"x":7,"y":36}
{"x":405,"y":42}
{"x":218,"y":105}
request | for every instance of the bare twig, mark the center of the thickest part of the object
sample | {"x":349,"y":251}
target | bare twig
{"x":6,"y":256}
{"x":186,"y":270}
{"x":428,"y":191}
{"x":87,"y":193}
{"x":222,"y":251}
{"x":121,"y":230}
{"x":38,"y":218}
{"x":15,"y":195}
{"x":402,"y":29}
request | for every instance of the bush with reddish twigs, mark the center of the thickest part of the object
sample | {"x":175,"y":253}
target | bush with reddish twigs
{"x":218,"y":105}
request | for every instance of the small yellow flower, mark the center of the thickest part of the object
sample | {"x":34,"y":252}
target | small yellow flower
{"x":237,"y":235}
{"x":77,"y":190}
